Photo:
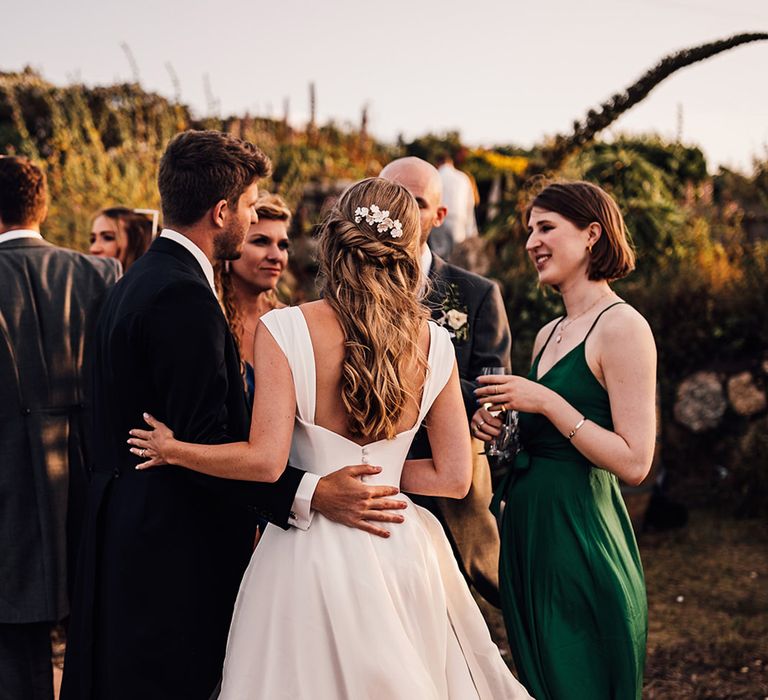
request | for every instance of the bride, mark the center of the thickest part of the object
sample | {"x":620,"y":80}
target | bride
{"x":333,"y":612}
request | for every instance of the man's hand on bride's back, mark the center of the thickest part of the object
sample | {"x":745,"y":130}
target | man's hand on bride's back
{"x":342,"y":497}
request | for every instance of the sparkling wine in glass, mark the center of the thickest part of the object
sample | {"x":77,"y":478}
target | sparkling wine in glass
{"x":496,"y":446}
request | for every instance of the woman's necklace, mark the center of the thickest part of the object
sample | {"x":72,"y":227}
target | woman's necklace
{"x":568,"y":320}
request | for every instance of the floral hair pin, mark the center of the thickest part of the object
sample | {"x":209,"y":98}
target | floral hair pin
{"x":373,"y":215}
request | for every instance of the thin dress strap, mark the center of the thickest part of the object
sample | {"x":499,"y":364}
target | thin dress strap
{"x":594,"y":323}
{"x":549,"y":337}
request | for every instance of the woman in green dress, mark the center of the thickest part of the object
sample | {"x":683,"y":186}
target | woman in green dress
{"x":572,"y":587}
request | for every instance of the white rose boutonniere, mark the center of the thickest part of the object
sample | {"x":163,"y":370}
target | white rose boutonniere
{"x":453,"y":316}
{"x":456,"y":319}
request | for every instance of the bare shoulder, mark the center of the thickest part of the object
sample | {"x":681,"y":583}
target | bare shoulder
{"x":325,"y":330}
{"x":622,"y":337}
{"x":320,"y":317}
{"x":620,"y":343}
{"x":316,"y":309}
{"x":425,"y":335}
{"x":622,"y":326}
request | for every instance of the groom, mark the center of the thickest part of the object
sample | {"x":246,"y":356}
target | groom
{"x":472,"y":310}
{"x":164,"y":550}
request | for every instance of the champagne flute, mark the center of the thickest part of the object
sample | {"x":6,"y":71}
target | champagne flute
{"x":496,"y":446}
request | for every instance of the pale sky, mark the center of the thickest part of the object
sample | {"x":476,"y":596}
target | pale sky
{"x":498,"y":71}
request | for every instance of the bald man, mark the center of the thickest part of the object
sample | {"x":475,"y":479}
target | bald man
{"x":471,"y":309}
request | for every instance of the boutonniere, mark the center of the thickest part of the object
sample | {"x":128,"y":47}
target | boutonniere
{"x":453,"y":314}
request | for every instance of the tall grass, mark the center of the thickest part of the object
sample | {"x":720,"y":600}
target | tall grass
{"x":101,"y":146}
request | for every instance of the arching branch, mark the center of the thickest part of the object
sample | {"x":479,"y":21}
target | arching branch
{"x":608,"y":112}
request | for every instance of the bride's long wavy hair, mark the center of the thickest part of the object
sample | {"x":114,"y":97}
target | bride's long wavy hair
{"x":372,"y":281}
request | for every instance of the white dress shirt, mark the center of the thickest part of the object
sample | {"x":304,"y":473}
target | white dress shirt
{"x":459,"y":200}
{"x":301,"y":514}
{"x":426,"y":261}
{"x":301,"y":511}
{"x":426,"y":267}
{"x":15,"y":234}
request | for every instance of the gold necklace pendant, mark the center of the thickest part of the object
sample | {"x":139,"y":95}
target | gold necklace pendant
{"x":568,"y":321}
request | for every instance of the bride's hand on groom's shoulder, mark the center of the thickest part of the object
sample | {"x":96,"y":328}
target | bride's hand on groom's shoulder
{"x":342,"y":497}
{"x":151,"y":445}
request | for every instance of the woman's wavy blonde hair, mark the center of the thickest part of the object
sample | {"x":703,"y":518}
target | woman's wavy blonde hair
{"x":372,"y":282}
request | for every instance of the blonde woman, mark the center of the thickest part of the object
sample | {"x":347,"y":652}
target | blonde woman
{"x":333,"y":612}
{"x":247,"y":285}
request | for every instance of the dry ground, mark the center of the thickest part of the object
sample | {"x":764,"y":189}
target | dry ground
{"x":708,"y":609}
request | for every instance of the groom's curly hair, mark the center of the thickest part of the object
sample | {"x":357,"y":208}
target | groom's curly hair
{"x":372,"y":281}
{"x":200,"y":168}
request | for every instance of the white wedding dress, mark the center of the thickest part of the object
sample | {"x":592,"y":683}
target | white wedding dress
{"x":333,"y":613}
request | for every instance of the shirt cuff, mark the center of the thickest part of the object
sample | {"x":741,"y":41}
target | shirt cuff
{"x":301,"y":512}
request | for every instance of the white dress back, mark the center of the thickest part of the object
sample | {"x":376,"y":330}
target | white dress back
{"x":321,"y":451}
{"x":333,"y":613}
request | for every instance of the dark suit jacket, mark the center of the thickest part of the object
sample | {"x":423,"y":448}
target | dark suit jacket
{"x":47,"y":298}
{"x":164,"y":549}
{"x":485,"y":341}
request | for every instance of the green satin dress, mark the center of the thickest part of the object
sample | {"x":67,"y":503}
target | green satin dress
{"x":571,"y":582}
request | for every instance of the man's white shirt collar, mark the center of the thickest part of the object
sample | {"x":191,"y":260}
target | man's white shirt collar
{"x":426,"y":266}
{"x":192,"y":248}
{"x":426,"y":261}
{"x":19,"y":233}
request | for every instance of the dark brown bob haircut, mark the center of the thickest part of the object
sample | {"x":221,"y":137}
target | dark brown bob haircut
{"x":200,"y":168}
{"x":583,"y":203}
{"x":23,"y":192}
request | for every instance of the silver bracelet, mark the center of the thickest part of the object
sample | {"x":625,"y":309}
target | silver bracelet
{"x":576,"y":428}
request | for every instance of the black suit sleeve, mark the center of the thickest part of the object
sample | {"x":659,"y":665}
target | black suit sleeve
{"x":491,"y":344}
{"x":186,"y":334}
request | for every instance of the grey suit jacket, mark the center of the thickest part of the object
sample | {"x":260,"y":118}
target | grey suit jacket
{"x":471,"y":308}
{"x":47,"y":297}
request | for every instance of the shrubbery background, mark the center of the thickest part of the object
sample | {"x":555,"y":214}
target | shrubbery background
{"x":701,"y":237}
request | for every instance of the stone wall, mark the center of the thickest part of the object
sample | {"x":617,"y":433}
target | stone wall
{"x":702,"y":399}
{"x":717,"y":434}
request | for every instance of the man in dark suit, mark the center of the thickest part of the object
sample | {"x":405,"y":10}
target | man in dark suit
{"x":164,"y":550}
{"x":470,"y":307}
{"x":47,"y":295}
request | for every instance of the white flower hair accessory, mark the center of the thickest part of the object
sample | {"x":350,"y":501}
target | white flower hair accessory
{"x":374,"y":215}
